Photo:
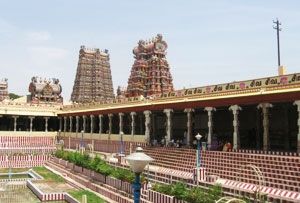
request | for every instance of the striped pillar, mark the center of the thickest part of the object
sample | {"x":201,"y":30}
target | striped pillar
{"x":31,"y":122}
{"x":92,"y":124}
{"x":236,"y":136}
{"x":71,"y":123}
{"x":189,"y":138}
{"x":46,"y":123}
{"x":100,"y":123}
{"x":121,"y":122}
{"x":83,"y":123}
{"x":77,"y":124}
{"x":65,"y":124}
{"x":147,"y":125}
{"x":60,"y":123}
{"x":110,"y":116}
{"x":169,"y":124}
{"x":266,"y":135}
{"x":210,"y":111}
{"x":15,"y":122}
{"x":133,"y":114}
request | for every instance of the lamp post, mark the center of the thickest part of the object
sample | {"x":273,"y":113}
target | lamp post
{"x":198,"y":137}
{"x":137,"y":162}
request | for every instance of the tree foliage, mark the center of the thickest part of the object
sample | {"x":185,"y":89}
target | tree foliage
{"x":13,"y":96}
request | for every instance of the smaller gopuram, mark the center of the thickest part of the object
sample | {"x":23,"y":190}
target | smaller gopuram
{"x":3,"y":89}
{"x":93,"y":81}
{"x":45,"y":90}
{"x":150,"y":73}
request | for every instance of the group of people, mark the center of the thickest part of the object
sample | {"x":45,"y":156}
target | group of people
{"x":163,"y":143}
{"x":225,"y":146}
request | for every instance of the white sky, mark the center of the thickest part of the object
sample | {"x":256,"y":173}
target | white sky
{"x":209,"y":41}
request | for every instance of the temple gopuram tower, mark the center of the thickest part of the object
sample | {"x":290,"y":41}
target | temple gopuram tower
{"x":93,"y":80}
{"x":3,"y":89}
{"x":150,"y":73}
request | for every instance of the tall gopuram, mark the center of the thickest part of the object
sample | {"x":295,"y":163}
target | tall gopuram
{"x":150,"y":73}
{"x":93,"y":80}
{"x":3,"y":89}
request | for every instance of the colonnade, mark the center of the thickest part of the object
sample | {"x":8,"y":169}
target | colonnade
{"x":148,"y":125}
{"x":23,"y":121}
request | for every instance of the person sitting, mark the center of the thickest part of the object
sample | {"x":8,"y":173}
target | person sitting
{"x":227,"y":147}
{"x":171,"y":143}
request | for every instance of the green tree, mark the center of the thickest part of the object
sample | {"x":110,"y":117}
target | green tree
{"x":13,"y":96}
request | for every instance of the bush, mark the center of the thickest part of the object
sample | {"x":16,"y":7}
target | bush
{"x":104,"y":169}
{"x":194,"y":195}
{"x":98,"y":165}
{"x":59,"y":154}
{"x":179,"y":190}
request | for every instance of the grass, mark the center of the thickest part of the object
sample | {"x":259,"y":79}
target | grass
{"x":91,"y":197}
{"x":13,"y":170}
{"x":48,"y":175}
{"x":15,"y":176}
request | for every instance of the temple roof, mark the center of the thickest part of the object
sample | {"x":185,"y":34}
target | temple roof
{"x":277,"y":88}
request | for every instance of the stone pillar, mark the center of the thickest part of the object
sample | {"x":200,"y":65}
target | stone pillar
{"x":100,"y":123}
{"x":298,"y":138}
{"x":46,"y":123}
{"x":31,"y":122}
{"x":15,"y":122}
{"x":121,"y":122}
{"x":110,"y":117}
{"x":210,"y":111}
{"x":169,"y":126}
{"x":147,"y":125}
{"x":266,"y":135}
{"x":236,"y":136}
{"x":92,"y":123}
{"x":71,"y":123}
{"x":133,"y":114}
{"x":84,"y":123}
{"x":189,"y":138}
{"x":60,"y":123}
{"x":65,"y":124}
{"x":77,"y":124}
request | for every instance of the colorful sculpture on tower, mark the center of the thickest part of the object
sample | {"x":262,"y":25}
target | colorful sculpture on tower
{"x":150,"y":73}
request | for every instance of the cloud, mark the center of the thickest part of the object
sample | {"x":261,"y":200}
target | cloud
{"x":38,"y":35}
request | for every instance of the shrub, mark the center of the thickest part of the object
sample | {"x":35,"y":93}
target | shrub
{"x":179,"y":190}
{"x":104,"y":169}
{"x":97,"y":164}
{"x":194,"y":195}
